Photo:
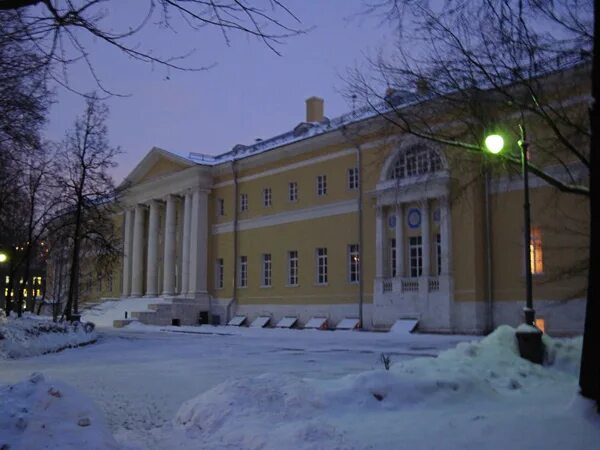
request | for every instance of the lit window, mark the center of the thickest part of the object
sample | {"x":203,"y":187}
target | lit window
{"x":243,"y":281}
{"x":293,"y":268}
{"x":219,"y":272}
{"x":353,"y":263}
{"x":353,"y":178}
{"x":220,"y":207}
{"x":321,"y":185}
{"x":293,"y":191}
{"x":267,"y":197}
{"x":535,"y":251}
{"x":415,"y":251}
{"x":266,"y":270}
{"x":7,"y":279}
{"x":541,"y":324}
{"x":39,"y":292}
{"x":322,"y":266}
{"x":244,"y":202}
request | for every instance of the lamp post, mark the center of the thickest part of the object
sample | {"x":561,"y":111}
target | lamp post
{"x":530,"y":343}
{"x":494,"y":143}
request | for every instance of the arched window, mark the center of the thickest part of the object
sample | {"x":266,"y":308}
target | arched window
{"x":415,"y":161}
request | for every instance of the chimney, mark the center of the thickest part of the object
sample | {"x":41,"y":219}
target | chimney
{"x":314,"y":109}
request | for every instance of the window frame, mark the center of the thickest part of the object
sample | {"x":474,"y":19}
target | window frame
{"x":353,"y":264}
{"x":321,"y":185}
{"x":415,"y":261}
{"x":267,"y":197}
{"x":293,"y":265}
{"x":266,"y":276}
{"x":219,"y":273}
{"x":243,"y":271}
{"x":352,"y":178}
{"x":321,"y":266}
{"x":293,"y":191}
{"x":243,"y":202}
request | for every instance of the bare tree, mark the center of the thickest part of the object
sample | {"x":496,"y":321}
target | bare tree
{"x":61,"y":30}
{"x":479,"y":66}
{"x":89,"y":193}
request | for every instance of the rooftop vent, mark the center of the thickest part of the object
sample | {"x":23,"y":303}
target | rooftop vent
{"x":314,"y":109}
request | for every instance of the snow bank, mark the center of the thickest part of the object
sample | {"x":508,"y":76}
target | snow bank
{"x":274,"y":411}
{"x":31,"y":335}
{"x":103,"y":314}
{"x":36,"y":414}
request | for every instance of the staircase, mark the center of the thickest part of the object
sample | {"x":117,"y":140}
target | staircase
{"x":186,"y":310}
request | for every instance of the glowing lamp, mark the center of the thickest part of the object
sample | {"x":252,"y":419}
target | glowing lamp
{"x":494,"y":143}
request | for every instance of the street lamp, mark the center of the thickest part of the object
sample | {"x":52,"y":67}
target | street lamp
{"x":494,"y":143}
{"x":3,"y":257}
{"x":529,"y":337}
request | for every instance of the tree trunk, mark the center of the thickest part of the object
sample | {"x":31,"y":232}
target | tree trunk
{"x":71,"y":305}
{"x":589,"y":376}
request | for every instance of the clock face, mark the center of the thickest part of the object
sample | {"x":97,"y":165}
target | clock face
{"x":392,"y":221}
{"x":414,"y":218}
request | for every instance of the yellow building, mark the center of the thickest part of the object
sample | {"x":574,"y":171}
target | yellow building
{"x":343,"y":219}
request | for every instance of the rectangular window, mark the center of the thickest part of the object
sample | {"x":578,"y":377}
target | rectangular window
{"x":353,"y":263}
{"x":415,"y":249}
{"x":243,"y":276}
{"x":293,"y":191}
{"x":220,"y":207}
{"x":266,"y":270}
{"x":243,"y":202}
{"x":321,"y":185}
{"x":535,"y":251}
{"x":393,"y":257}
{"x":267,"y":197}
{"x":321,"y":266}
{"x":293,"y":268}
{"x":219,"y":273}
{"x":438,"y":249}
{"x":353,"y":178}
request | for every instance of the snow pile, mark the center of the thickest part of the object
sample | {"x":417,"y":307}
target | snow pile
{"x":37,"y":414}
{"x":103,"y":314}
{"x":30,"y":336}
{"x":379,"y":409}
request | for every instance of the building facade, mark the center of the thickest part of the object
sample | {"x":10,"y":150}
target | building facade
{"x":344,"y":219}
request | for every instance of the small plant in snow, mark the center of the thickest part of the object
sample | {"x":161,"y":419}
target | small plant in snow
{"x":386,"y":360}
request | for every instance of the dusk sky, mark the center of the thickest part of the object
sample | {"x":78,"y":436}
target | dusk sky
{"x":250,"y":92}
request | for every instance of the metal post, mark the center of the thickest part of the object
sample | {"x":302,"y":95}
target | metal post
{"x":524,"y":145}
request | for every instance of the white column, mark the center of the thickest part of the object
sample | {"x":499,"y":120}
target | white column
{"x":127,"y":248}
{"x":152,"y":266}
{"x":137,"y":262}
{"x":379,"y":237}
{"x":170,"y":249}
{"x":185,"y":251}
{"x":198,"y":243}
{"x":425,"y":237}
{"x":446,"y":235}
{"x":399,"y":240}
{"x":179,"y":244}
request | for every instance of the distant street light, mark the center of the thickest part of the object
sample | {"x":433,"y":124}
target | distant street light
{"x":3,"y":257}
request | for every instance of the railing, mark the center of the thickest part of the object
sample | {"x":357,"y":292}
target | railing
{"x":410,"y":284}
{"x":387,"y":285}
{"x":433,"y":284}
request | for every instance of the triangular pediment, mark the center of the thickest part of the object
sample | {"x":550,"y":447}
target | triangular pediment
{"x":157,"y":164}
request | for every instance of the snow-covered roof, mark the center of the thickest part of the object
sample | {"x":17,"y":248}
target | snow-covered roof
{"x":304,"y":130}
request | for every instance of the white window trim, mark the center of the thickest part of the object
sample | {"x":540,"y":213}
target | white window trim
{"x":263,"y":271}
{"x":350,"y":263}
{"x":219,"y":273}
{"x":352,"y":177}
{"x":289,"y":269}
{"x":321,"y":185}
{"x":295,"y":190}
{"x":243,"y":280}
{"x":267,"y":197}
{"x":326,"y":265}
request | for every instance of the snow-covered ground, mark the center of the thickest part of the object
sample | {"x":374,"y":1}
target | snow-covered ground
{"x":230,"y":388}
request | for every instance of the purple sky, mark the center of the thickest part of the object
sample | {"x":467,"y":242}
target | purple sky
{"x":250,"y":93}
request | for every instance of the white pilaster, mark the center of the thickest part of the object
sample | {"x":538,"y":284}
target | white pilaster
{"x":198,"y":243}
{"x":152,"y":266}
{"x":425,"y":237}
{"x":170,"y":248}
{"x":379,"y":237}
{"x":185,"y":252}
{"x":127,"y":249}
{"x":399,"y":240}
{"x":446,"y":236}
{"x":137,"y":262}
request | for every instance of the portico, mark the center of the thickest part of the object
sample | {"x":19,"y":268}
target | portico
{"x":413,"y":271}
{"x":165,"y":232}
